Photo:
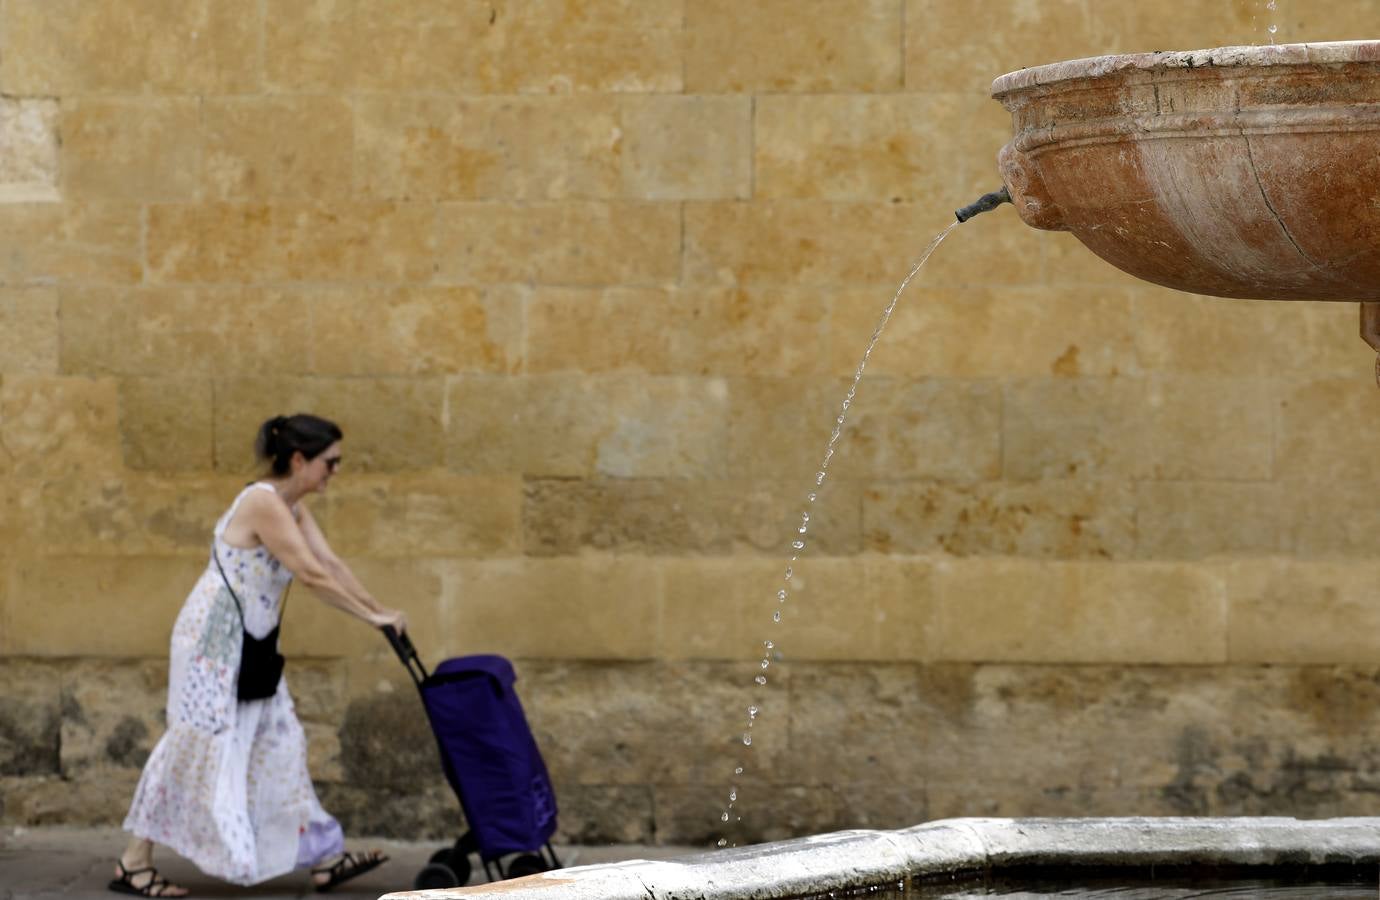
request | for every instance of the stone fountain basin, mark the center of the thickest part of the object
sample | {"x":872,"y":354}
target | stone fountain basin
{"x":1248,"y":172}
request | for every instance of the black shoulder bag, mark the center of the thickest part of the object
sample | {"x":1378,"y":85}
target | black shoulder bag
{"x":261,"y":665}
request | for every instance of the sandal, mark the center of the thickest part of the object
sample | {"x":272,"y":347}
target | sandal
{"x":155,"y":887}
{"x":348,"y":866}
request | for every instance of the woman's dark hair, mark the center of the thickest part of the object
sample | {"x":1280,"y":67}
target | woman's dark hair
{"x":282,"y":436}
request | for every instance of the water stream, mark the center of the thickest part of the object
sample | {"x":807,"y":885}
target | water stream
{"x":799,"y":540}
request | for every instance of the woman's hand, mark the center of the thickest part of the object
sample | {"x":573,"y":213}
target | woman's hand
{"x":385,"y":617}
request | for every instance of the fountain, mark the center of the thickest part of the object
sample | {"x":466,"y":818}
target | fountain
{"x":1239,"y":172}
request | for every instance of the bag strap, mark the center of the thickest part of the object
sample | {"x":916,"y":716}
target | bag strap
{"x":282,"y":608}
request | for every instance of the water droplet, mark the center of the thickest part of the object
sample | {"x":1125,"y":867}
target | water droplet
{"x":723,"y":818}
{"x":799,"y":545}
{"x":752,"y":712}
{"x":781,"y":596}
{"x":723,"y":842}
{"x":765,"y":663}
{"x":747,"y":739}
{"x":1274,"y":28}
{"x":760,"y":679}
{"x":813,"y":495}
{"x":776,"y":616}
{"x":840,"y":419}
{"x":738,"y":771}
{"x":819,"y":478}
{"x":789,"y":572}
{"x":733,"y":795}
{"x":803,"y":528}
{"x":768,"y":644}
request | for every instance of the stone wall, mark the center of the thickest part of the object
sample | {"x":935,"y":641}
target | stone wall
{"x":585,"y":282}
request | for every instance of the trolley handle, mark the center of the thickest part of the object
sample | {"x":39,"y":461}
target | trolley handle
{"x":402,"y":645}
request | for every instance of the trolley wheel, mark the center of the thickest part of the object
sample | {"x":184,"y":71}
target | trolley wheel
{"x":441,"y":856}
{"x":458,"y":858}
{"x":436,"y":875}
{"x":526,"y":864}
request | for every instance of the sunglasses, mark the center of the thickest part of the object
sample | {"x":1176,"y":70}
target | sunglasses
{"x":332,"y":463}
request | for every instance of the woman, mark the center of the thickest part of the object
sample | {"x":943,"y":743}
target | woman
{"x":227,"y":786}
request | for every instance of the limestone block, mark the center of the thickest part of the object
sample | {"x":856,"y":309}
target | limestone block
{"x":70,"y":243}
{"x":747,"y":331}
{"x":900,"y":593}
{"x":676,"y":723}
{"x":992,"y":332}
{"x":619,"y":426}
{"x":390,"y":424}
{"x":775,"y":46}
{"x":166,"y":46}
{"x":112,"y":714}
{"x":140,"y":150}
{"x":166,"y":424}
{"x":51,"y":598}
{"x":940,"y":33}
{"x":28,"y":331}
{"x":1053,"y":519}
{"x":689,"y":148}
{"x":1326,"y":520}
{"x":385,"y":743}
{"x":1181,"y":333}
{"x":588,"y":608}
{"x":803,"y":242}
{"x":123,"y":516}
{"x":29,"y":158}
{"x":847,"y":147}
{"x":1287,"y":611}
{"x":559,"y":243}
{"x":510,"y":149}
{"x":424,"y":513}
{"x":940,"y":429}
{"x":314,"y":630}
{"x":310,"y":46}
{"x":676,"y":516}
{"x":780,"y":428}
{"x":725,"y":609}
{"x":30,"y":717}
{"x":54,"y":425}
{"x":257,"y":243}
{"x":1001,"y":250}
{"x":1161,"y":428}
{"x":1077,"y":612}
{"x":1321,"y":436}
{"x":1194,"y":519}
{"x":601,"y":813}
{"x":415,"y":330}
{"x":277,"y":148}
{"x":184,"y":331}
{"x":100,"y":799}
{"x":521,"y":47}
{"x":1226,"y":24}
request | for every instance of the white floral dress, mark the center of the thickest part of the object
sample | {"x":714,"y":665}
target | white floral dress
{"x":227,"y":785}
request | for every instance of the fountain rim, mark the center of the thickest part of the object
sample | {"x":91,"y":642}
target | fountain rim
{"x":1255,"y":56}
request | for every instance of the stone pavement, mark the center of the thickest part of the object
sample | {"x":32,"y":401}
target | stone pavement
{"x":75,"y":864}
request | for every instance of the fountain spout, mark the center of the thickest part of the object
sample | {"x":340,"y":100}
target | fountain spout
{"x":983,"y":204}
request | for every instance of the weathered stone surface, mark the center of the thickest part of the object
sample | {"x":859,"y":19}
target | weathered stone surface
{"x":1146,"y":428}
{"x":374,"y":414}
{"x":99,"y":798}
{"x":257,"y":243}
{"x":29,"y":159}
{"x":722,"y":331}
{"x":1319,"y":440}
{"x":588,"y":243}
{"x":70,"y":243}
{"x":600,"y":813}
{"x":674,"y":517}
{"x":623,"y":427}
{"x":112,"y":715}
{"x":281,"y":148}
{"x":940,"y":429}
{"x":1087,"y":612}
{"x":314,"y":629}
{"x":1285,"y":611}
{"x":425,"y":513}
{"x":309,"y":46}
{"x":166,"y":424}
{"x":689,"y":148}
{"x":48,"y":608}
{"x":137,"y":150}
{"x":415,"y":330}
{"x":28,"y":331}
{"x":57,"y":47}
{"x":608,"y":607}
{"x":58,"y":426}
{"x":1052,"y":519}
{"x":991,"y":332}
{"x":184,"y":331}
{"x":1195,"y":519}
{"x":30,"y":718}
{"x":850,"y":148}
{"x":774,"y":46}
